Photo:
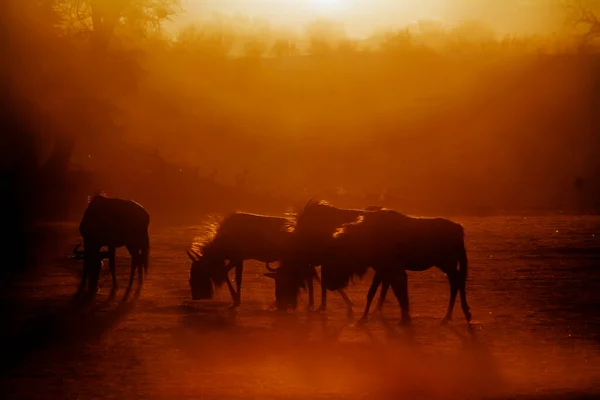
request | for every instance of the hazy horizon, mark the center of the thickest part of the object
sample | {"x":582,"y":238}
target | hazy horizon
{"x":482,"y":112}
{"x":361,"y":18}
{"x":506,"y":124}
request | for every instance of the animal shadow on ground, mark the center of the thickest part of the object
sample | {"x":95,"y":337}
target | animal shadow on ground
{"x":209,"y":319}
{"x":279,"y":330}
{"x":399,"y":361}
{"x":477,"y":356}
{"x":283,"y":331}
{"x":393,"y":334}
{"x":55,"y":327}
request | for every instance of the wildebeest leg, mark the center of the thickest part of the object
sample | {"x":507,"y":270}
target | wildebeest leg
{"x":230,"y":265}
{"x":270,"y":274}
{"x":311,"y":287}
{"x":384,"y":288}
{"x":134,"y":263}
{"x":463,"y":296}
{"x":350,"y":311}
{"x":311,"y":294}
{"x":93,"y":277}
{"x":140,"y":271}
{"x":111,"y":266}
{"x":321,"y":280}
{"x":239,"y":268}
{"x":231,"y":289}
{"x":92,"y":263}
{"x":399,"y":285}
{"x":145,"y":251}
{"x":323,"y":305}
{"x":453,"y":279}
{"x":370,"y":295}
{"x":84,"y":275}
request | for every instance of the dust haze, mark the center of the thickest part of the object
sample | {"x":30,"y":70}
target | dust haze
{"x":497,"y":122}
{"x":481,"y":111}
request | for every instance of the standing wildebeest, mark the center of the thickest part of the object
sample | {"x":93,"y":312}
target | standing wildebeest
{"x":239,"y":237}
{"x":313,"y":231}
{"x":113,"y":222}
{"x":392,"y":243}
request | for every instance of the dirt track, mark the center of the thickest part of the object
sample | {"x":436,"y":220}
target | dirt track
{"x":534,"y":289}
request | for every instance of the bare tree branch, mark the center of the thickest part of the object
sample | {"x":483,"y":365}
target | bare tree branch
{"x":582,"y":16}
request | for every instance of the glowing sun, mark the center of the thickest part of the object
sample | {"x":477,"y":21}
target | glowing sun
{"x":327,"y":5}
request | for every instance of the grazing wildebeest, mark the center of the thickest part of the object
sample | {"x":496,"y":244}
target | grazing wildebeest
{"x":392,"y":243}
{"x":313,"y":231}
{"x":113,"y":222}
{"x":239,"y":236}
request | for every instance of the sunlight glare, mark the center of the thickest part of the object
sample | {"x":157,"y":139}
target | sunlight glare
{"x":327,"y":5}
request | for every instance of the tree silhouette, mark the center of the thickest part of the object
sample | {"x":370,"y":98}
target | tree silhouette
{"x":102,"y":17}
{"x":395,"y":42}
{"x":582,"y":16}
{"x":284,"y":48}
{"x":255,"y":48}
{"x":347,"y":46}
{"x":205,"y":42}
{"x":323,"y":36}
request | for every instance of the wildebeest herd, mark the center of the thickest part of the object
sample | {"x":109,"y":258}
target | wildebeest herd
{"x":344,"y":243}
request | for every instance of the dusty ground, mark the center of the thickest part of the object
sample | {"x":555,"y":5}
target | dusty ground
{"x":534,"y":290}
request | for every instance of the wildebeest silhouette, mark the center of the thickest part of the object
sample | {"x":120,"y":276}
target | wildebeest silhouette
{"x":392,"y":243}
{"x":313,"y":229}
{"x":113,"y":222}
{"x":238,"y":237}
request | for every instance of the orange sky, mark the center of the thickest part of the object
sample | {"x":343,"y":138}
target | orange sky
{"x":361,"y":17}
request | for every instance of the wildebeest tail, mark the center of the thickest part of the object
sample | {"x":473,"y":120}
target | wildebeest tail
{"x":146,"y":253}
{"x":462,"y":261}
{"x":340,"y":278}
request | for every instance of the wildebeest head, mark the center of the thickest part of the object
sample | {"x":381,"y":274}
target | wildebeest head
{"x":290,"y":277}
{"x":204,"y":273}
{"x":77,"y":254}
{"x":89,"y":258}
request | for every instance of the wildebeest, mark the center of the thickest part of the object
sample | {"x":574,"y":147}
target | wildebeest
{"x":313,"y":231}
{"x":113,"y":222}
{"x":392,"y":243}
{"x":239,"y":236}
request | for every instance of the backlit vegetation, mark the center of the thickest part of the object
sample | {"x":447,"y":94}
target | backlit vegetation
{"x":429,"y":118}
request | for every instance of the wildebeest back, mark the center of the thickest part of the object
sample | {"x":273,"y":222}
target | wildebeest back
{"x":112,"y":221}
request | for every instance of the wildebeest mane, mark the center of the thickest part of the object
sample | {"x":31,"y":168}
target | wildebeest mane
{"x":295,"y":214}
{"x":382,"y":218}
{"x":301,"y":220}
{"x":214,"y":245}
{"x":340,"y":278}
{"x":290,"y":220}
{"x":373,"y":235}
{"x":99,"y":194}
{"x":210,"y":229}
{"x":314,"y":226}
{"x":203,"y":244}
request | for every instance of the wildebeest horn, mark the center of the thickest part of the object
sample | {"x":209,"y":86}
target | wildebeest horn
{"x":77,"y":254}
{"x":270,"y":269}
{"x":191,"y":256}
